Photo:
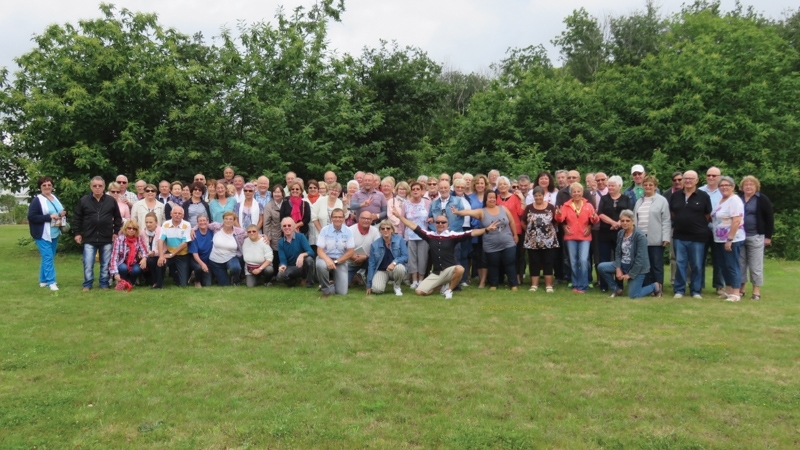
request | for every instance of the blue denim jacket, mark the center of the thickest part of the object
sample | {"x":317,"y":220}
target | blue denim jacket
{"x":377,"y":250}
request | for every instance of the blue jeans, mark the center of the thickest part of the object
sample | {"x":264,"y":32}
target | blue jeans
{"x":728,"y":263}
{"x":604,"y":250}
{"x":636,"y":286}
{"x":656,"y":255}
{"x":579,"y":261}
{"x":220,"y":271}
{"x":608,"y":273}
{"x":689,"y":254}
{"x":47,"y":269}
{"x":352,"y":269}
{"x":463,"y":260}
{"x":89,"y":252}
{"x":718,"y":276}
{"x":129,"y":275}
{"x":204,"y":278}
{"x":178,"y":269}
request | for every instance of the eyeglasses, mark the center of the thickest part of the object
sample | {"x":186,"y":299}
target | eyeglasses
{"x":386,"y":228}
{"x":98,"y":186}
{"x":599,"y":179}
{"x":252,"y":232}
{"x":131,"y":228}
{"x":677,"y":180}
{"x":726,"y":185}
{"x":514,"y":187}
{"x":122,"y":182}
{"x":150,"y":191}
{"x":312,"y":187}
{"x":431,"y":184}
{"x":441,"y":222}
{"x":637,"y":174}
{"x":709,"y":175}
{"x":248,"y":190}
{"x":288,"y":225}
{"x":295,"y":190}
{"x":113,"y":192}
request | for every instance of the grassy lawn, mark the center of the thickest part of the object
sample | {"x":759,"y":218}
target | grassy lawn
{"x":281,"y":368}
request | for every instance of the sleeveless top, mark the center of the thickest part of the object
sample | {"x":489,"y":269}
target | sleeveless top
{"x":501,"y":238}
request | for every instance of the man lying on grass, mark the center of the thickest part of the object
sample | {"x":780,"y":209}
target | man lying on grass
{"x":442,"y":244}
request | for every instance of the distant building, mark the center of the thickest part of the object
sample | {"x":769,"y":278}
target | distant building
{"x":21,"y":195}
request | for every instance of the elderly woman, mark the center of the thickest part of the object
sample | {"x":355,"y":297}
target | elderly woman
{"x":45,"y":216}
{"x":200,"y":250}
{"x":397,"y":200}
{"x":227,"y":248}
{"x":416,"y":209}
{"x":387,"y":259}
{"x":249,"y":211}
{"x":654,"y":221}
{"x":115,"y":191}
{"x":322,"y":209}
{"x":323,"y":189}
{"x":151,"y":234}
{"x":578,"y":215}
{"x":352,"y":189}
{"x":195,"y":205}
{"x":507,"y":198}
{"x":175,"y":198}
{"x":257,"y":257}
{"x":611,"y":205}
{"x":729,"y":236}
{"x":129,"y":254}
{"x":147,"y":205}
{"x":468,"y":177}
{"x":759,"y":223}
{"x":297,"y":208}
{"x":631,"y":262}
{"x":271,"y":225}
{"x":541,"y":241}
{"x":221,"y":203}
{"x":500,"y":244}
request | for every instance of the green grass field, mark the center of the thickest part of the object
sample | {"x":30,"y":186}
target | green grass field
{"x":281,"y":368}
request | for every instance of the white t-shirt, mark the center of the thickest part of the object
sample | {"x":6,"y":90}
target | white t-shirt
{"x":224,"y":247}
{"x":722,"y":217}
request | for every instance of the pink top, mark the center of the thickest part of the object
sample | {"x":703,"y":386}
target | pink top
{"x":576,"y":222}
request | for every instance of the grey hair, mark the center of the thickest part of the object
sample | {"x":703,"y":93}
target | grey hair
{"x":728,"y":179}
{"x":627,"y":213}
{"x":351,"y":182}
{"x":616,"y":179}
{"x":504,"y":178}
{"x":201,"y":215}
{"x":523,"y":178}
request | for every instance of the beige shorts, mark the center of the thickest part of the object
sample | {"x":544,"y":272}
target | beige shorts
{"x":433,"y":281}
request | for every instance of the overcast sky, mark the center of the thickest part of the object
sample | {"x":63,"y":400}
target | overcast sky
{"x":467,"y":35}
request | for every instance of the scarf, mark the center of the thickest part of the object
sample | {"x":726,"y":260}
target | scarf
{"x":313,"y":198}
{"x":576,"y":207}
{"x":297,"y":208}
{"x":130,"y":242}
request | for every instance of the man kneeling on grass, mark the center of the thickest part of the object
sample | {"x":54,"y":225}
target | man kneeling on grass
{"x":442,"y":244}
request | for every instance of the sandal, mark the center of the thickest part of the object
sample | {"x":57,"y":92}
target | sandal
{"x":755,"y":297}
{"x":534,"y":288}
{"x":549,"y":289}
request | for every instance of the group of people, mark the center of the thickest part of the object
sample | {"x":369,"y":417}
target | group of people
{"x":430,"y":233}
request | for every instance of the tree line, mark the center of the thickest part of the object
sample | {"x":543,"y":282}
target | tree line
{"x":123,"y":94}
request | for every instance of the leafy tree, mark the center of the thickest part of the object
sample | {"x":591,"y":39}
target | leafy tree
{"x":120,"y":94}
{"x":582,"y":45}
{"x":636,"y":36}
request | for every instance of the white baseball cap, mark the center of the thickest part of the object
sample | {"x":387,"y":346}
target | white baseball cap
{"x":637,"y":168}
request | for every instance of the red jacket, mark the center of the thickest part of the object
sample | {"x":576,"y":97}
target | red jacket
{"x":577,"y":223}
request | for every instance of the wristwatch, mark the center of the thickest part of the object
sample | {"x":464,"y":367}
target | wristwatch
{"x":335,"y":262}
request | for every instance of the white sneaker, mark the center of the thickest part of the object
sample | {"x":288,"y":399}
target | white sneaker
{"x":697,"y":297}
{"x":53,"y":287}
{"x":415,"y":285}
{"x":398,"y":291}
{"x":464,"y":284}
{"x":444,"y":288}
{"x":677,"y":296}
{"x":733,"y":298}
{"x":448,"y":294}
{"x":42,"y":284}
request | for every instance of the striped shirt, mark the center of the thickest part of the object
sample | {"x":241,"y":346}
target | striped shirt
{"x":175,"y":235}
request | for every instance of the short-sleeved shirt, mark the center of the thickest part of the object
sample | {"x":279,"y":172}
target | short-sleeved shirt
{"x":174,"y":236}
{"x":335,"y":242}
{"x":722,"y":219}
{"x":202,"y":244}
{"x":689,"y":215}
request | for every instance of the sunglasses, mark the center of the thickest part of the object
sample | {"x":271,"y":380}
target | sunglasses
{"x":248,"y":190}
{"x":386,"y":229}
{"x":312,"y":187}
{"x":98,"y":185}
{"x":122,"y":182}
{"x":113,"y":192}
{"x":150,"y":191}
{"x":514,"y":187}
{"x":677,"y":180}
{"x":431,"y":184}
{"x":131,"y":228}
{"x":252,"y":232}
{"x":441,"y":222}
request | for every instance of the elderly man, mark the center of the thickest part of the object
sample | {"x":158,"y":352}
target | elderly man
{"x":335,"y":246}
{"x":601,"y":189}
{"x":712,"y":189}
{"x":442,"y":243}
{"x":176,"y":234}
{"x":636,"y":191}
{"x":441,"y":206}
{"x":359,"y":176}
{"x":238,"y":183}
{"x":96,"y":223}
{"x":140,"y":185}
{"x":363,"y":236}
{"x":330,"y":177}
{"x":130,"y":197}
{"x":262,"y":194}
{"x":296,"y":256}
{"x":369,"y":199}
{"x":561,"y":179}
{"x":444,"y":177}
{"x":289,"y":178}
{"x":691,"y":213}
{"x":493,"y":176}
{"x":163,"y":192}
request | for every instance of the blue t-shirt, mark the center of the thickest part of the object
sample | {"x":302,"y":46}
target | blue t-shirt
{"x":202,"y":244}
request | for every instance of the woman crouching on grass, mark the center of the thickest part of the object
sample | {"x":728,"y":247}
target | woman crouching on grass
{"x":631,"y":261}
{"x":129,"y":254}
